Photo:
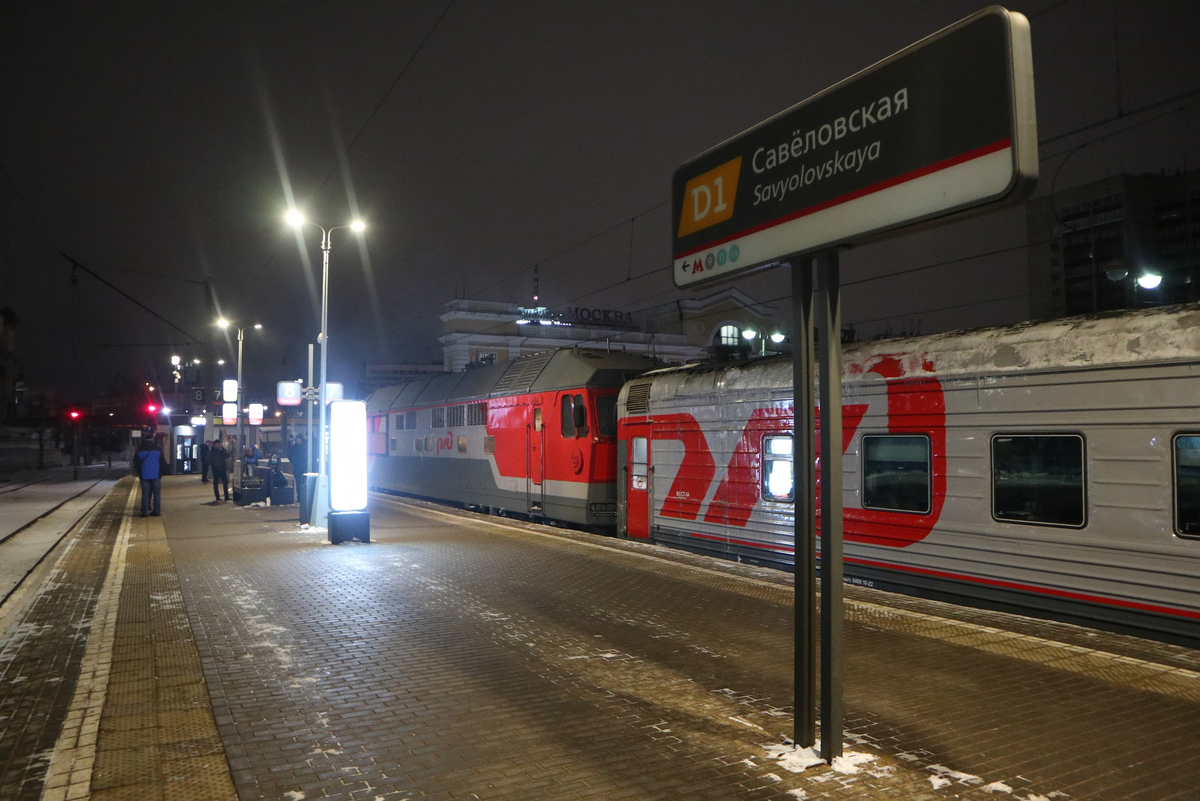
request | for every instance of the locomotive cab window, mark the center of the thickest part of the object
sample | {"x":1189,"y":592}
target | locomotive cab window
{"x":778,"y":475}
{"x":574,"y":417}
{"x":1038,"y":479}
{"x":896,"y":473}
{"x":606,"y":415}
{"x":1187,"y":485}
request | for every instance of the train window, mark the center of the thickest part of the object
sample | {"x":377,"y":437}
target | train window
{"x":1187,"y":485}
{"x":537,"y":418}
{"x":778,"y":478}
{"x":581,"y":426}
{"x":568,"y":417}
{"x":489,"y":444}
{"x":410,"y":420}
{"x":429,"y":444}
{"x":606,"y":415}
{"x":896,"y":473}
{"x":462,"y":444}
{"x":418,"y":444}
{"x":437,"y":417}
{"x":1038,"y":479}
{"x":639,"y":467}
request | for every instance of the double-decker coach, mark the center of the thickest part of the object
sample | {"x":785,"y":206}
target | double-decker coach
{"x":1046,"y":467}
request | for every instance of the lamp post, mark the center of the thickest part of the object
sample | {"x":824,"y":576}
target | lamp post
{"x":223,"y":323}
{"x":296,"y":219}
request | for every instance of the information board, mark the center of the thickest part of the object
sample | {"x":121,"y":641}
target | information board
{"x":942,"y":128}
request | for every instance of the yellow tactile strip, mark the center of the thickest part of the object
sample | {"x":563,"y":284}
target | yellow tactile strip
{"x":155,"y":737}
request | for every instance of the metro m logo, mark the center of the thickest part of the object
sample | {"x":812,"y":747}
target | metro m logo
{"x":708,"y":198}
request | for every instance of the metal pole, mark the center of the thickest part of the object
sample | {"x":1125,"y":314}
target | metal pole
{"x":75,"y":456}
{"x":240,"y":446}
{"x":308,"y":450}
{"x":805,"y":523}
{"x":829,"y":326}
{"x":324,"y":342}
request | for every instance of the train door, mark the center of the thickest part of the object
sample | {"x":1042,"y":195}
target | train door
{"x":537,"y":490}
{"x":184,"y":454}
{"x":637,"y":474}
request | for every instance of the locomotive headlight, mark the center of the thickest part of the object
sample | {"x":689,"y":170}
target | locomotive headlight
{"x":1150,"y":281}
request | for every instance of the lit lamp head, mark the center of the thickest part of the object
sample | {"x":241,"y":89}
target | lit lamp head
{"x":1149,"y":280}
{"x":749,"y":334}
{"x":348,"y":516}
{"x":295,"y":218}
{"x":778,"y":337}
{"x":358,"y":226}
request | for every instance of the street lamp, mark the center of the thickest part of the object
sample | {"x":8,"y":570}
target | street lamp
{"x":296,"y":220}
{"x":223,"y":323}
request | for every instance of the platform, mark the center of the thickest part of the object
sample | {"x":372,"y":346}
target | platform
{"x":223,"y":652}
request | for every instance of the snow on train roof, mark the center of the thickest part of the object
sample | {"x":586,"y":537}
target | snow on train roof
{"x":1144,"y":336}
{"x":545,"y":371}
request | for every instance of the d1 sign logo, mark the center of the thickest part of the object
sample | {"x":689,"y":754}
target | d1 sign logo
{"x":708,"y":198}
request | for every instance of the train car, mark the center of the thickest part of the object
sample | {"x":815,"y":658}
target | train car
{"x":1049,"y":469}
{"x":535,"y":436}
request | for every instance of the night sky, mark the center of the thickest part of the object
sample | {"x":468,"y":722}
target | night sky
{"x":161,"y":144}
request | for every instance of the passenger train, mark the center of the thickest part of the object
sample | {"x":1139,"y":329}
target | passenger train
{"x":1046,"y":468}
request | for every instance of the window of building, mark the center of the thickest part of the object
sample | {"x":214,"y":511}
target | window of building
{"x":896,"y":473}
{"x":487,"y":357}
{"x":1038,"y":479}
{"x":778,"y":475}
{"x":729,"y":335}
{"x":1187,"y":485}
{"x":438,"y":417}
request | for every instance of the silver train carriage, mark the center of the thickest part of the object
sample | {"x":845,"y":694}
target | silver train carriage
{"x":535,"y":436}
{"x":1046,"y":468}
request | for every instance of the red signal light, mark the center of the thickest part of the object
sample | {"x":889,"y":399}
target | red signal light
{"x":152,"y":408}
{"x":75,"y":415}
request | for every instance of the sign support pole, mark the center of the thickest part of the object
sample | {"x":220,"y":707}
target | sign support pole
{"x":804,"y":460}
{"x":829,"y":327}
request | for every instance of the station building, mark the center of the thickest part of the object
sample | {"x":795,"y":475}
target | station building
{"x":1089,"y":245}
{"x":692,"y":329}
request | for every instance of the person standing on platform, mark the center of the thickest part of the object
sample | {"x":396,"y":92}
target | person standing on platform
{"x":148,"y":466}
{"x":205,"y":447}
{"x":218,"y":460}
{"x":298,"y":456}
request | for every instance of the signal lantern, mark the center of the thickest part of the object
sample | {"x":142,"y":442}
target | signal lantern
{"x":75,"y":415}
{"x":151,"y":408}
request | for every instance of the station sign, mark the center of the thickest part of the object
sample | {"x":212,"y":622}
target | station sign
{"x":229,"y":390}
{"x":256,"y":411}
{"x":943,"y":128}
{"x":334,"y":392}
{"x":229,"y":414}
{"x":289,"y":393}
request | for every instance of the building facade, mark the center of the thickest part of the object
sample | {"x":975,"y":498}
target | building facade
{"x":487,"y":332}
{"x":1123,"y":242}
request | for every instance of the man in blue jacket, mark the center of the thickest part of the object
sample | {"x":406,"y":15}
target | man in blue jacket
{"x":148,"y":466}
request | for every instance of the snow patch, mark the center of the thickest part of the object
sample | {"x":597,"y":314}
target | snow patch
{"x":798,"y":793}
{"x":793,"y":759}
{"x":850,"y":760}
{"x":996,"y":787}
{"x":954,"y":775}
{"x":294,"y":795}
{"x":746,"y":723}
{"x":774,"y":777}
{"x":938,"y":782}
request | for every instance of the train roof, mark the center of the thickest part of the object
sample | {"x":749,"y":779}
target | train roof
{"x":1164,"y":334}
{"x":546,"y":371}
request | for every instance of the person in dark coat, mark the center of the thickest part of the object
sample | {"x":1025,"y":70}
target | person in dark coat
{"x":298,"y":456}
{"x":205,"y":447}
{"x":148,"y":467}
{"x":218,"y":460}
